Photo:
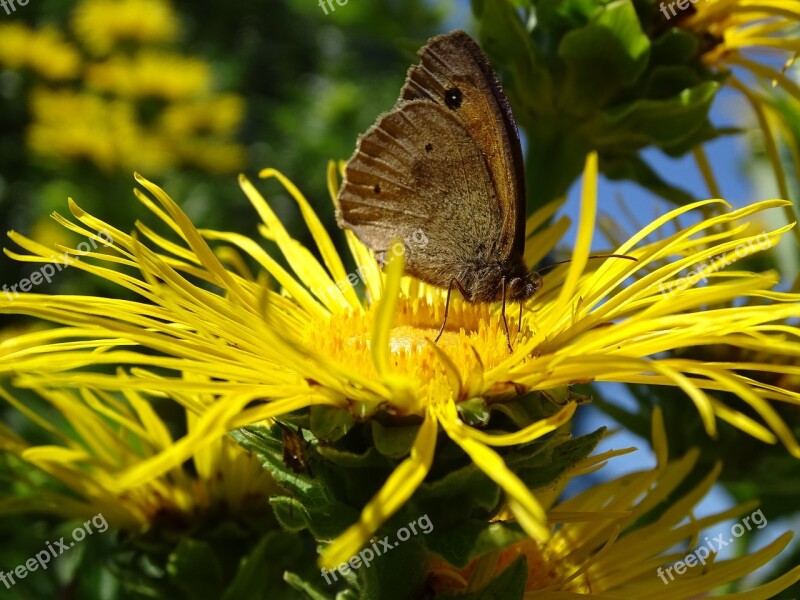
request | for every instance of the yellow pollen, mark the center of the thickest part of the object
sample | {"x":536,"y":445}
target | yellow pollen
{"x":474,"y":339}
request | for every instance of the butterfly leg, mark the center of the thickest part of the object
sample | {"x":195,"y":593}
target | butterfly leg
{"x":446,"y":308}
{"x":447,"y":305}
{"x":503,"y":315}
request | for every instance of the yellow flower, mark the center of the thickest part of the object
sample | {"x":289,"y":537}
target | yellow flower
{"x":43,"y":50}
{"x":307,"y":339}
{"x":105,"y":132}
{"x":107,"y":435}
{"x":734,"y":27}
{"x":220,"y":115}
{"x":99,"y":118}
{"x":734,"y":33}
{"x":209,"y":154}
{"x":150,"y":73}
{"x":104,"y":24}
{"x":14,"y":39}
{"x":624,"y":551}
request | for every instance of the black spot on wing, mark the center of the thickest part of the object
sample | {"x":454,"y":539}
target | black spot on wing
{"x":453,"y":98}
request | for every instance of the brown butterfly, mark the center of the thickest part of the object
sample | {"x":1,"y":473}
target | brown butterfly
{"x":446,"y":160}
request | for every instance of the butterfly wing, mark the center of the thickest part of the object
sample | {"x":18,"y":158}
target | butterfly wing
{"x":447,"y":161}
{"x":418,"y":169}
{"x":454,"y":61}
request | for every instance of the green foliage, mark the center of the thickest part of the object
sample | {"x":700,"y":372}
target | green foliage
{"x":223,"y":562}
{"x":457,"y":497}
{"x":585,"y":75}
{"x":509,"y":584}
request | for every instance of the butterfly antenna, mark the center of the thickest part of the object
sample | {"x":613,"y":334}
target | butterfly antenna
{"x":561,"y":262}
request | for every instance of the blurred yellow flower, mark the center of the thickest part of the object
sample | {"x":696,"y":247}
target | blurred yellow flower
{"x":106,"y":116}
{"x":208,"y":154}
{"x":104,"y":24}
{"x":107,"y":133}
{"x":106,"y":435}
{"x":41,"y":50}
{"x":150,"y":73}
{"x":102,"y":131}
{"x":219,"y":115}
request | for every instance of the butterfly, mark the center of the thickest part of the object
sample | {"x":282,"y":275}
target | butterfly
{"x":446,"y":160}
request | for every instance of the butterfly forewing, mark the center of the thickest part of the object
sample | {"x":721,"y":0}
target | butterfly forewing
{"x":418,"y":169}
{"x":455,"y":62}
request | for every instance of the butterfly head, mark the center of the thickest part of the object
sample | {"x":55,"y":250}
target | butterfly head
{"x":524,"y":285}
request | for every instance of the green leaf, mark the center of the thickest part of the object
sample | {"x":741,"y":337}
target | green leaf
{"x":675,"y":46}
{"x":394,"y":442}
{"x":258,"y":439}
{"x":396,"y":575}
{"x":330,"y":424}
{"x":474,"y":412}
{"x":330,"y":521}
{"x":602,"y":58}
{"x":307,"y":588}
{"x":263,"y":566}
{"x":706,"y":133}
{"x":470,"y":539}
{"x":533,"y":407}
{"x":664,"y":83}
{"x":468,"y":484}
{"x":194,"y":568}
{"x":290,"y":513}
{"x":550,"y":466}
{"x":265,"y":443}
{"x":559,"y":16}
{"x":352,"y":460}
{"x":635,"y":169}
{"x":508,"y":585}
{"x":661,"y":122}
{"x":504,"y":38}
